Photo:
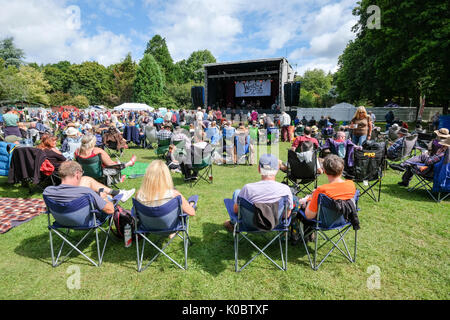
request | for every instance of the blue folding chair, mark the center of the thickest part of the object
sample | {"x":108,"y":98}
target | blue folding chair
{"x":244,"y":226}
{"x":436,"y":181}
{"x":213,"y":135}
{"x":161,"y":221}
{"x":328,"y":219}
{"x":77,"y":215}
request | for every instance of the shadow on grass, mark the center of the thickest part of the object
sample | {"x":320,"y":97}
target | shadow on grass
{"x":38,"y":248}
{"x":215,"y":251}
{"x":402,"y":193}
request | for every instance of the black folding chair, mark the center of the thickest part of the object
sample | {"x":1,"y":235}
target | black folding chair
{"x":368,"y":170}
{"x":301,"y":174}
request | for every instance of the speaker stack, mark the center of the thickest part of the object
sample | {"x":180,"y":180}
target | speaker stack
{"x":291,"y":93}
{"x":198,"y":96}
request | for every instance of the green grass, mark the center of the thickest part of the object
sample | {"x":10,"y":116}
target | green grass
{"x":405,"y":235}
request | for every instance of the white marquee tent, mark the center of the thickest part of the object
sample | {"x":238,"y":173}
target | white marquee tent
{"x":133,"y":107}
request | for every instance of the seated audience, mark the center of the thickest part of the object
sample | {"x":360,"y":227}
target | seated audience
{"x":336,"y":188}
{"x":71,"y":143}
{"x":157,"y":189}
{"x":165,"y":133}
{"x":306,"y":152}
{"x":89,"y":150}
{"x":426,"y":160}
{"x":305,"y":137}
{"x":48,"y":145}
{"x":171,"y":159}
{"x":395,"y":151}
{"x":74,"y":185}
{"x":268,"y":190}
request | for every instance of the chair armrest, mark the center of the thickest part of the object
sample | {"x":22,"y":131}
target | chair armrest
{"x":194,"y":199}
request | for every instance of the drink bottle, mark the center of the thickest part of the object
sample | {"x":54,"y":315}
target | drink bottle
{"x":127,"y":236}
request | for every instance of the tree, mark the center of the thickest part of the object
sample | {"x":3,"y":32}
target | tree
{"x":192,"y":68}
{"x":35,"y":86}
{"x":58,"y":79}
{"x":157,"y":47}
{"x":11,"y":86}
{"x":11,"y":55}
{"x":92,"y":80}
{"x":403,"y":59}
{"x":124,"y":74}
{"x":315,"y":89}
{"x":149,"y":82}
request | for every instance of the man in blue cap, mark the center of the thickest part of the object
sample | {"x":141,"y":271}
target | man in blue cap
{"x":268,"y":190}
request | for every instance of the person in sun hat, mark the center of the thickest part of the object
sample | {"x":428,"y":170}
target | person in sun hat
{"x":268,"y":190}
{"x":71,"y":143}
{"x":394,"y":151}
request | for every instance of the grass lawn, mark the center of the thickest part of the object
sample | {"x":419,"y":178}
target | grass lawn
{"x":406,"y":236}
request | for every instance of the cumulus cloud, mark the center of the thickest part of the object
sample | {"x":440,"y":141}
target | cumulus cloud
{"x":48,"y":32}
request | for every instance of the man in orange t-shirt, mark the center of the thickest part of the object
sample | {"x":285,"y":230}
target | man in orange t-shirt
{"x":337,"y":188}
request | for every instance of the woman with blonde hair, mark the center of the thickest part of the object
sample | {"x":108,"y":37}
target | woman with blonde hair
{"x":361,"y":126}
{"x":157,"y":188}
{"x":89,"y":150}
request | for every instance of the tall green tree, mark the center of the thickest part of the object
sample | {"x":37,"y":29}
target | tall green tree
{"x":157,"y":47}
{"x":405,"y":58}
{"x":92,"y":80}
{"x":11,"y":55}
{"x":149,"y":82}
{"x":124,"y":74}
{"x":192,"y":68}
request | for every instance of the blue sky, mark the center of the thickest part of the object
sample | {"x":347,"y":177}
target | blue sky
{"x":311,"y":34}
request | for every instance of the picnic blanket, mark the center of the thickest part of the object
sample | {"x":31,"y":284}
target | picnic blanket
{"x":136,"y":171}
{"x":14,"y":212}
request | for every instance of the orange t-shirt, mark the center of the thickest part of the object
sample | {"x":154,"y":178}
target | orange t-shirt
{"x":338,"y":191}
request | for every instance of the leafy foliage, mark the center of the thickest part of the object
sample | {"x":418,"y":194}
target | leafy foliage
{"x":11,"y":55}
{"x":149,"y":82}
{"x":406,"y":58}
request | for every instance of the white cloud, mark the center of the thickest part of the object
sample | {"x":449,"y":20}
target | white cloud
{"x":256,"y":29}
{"x":191,"y":25}
{"x":45,"y":32}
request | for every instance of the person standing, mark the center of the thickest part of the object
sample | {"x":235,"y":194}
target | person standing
{"x":361,"y":126}
{"x":10,"y":121}
{"x":285,"y":122}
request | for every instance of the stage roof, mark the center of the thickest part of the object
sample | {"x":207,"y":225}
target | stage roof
{"x":244,"y":61}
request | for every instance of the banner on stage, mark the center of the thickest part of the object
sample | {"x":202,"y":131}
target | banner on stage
{"x":253,"y":88}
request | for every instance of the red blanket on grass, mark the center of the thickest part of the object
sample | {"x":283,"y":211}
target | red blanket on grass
{"x":14,"y":212}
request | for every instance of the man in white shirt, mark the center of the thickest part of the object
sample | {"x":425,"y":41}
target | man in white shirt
{"x":285,"y":121}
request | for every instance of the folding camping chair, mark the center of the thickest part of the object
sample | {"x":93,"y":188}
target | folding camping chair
{"x":242,"y":145}
{"x":301,"y":174}
{"x":110,"y":143}
{"x":163,"y":147}
{"x":77,"y":215}
{"x":409,"y":145}
{"x":213,"y":136}
{"x":202,"y":165}
{"x":367,"y":171}
{"x":150,"y":136}
{"x":244,"y":226}
{"x":93,"y":168}
{"x":435,"y":181}
{"x":162,"y":221}
{"x":328,"y":219}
